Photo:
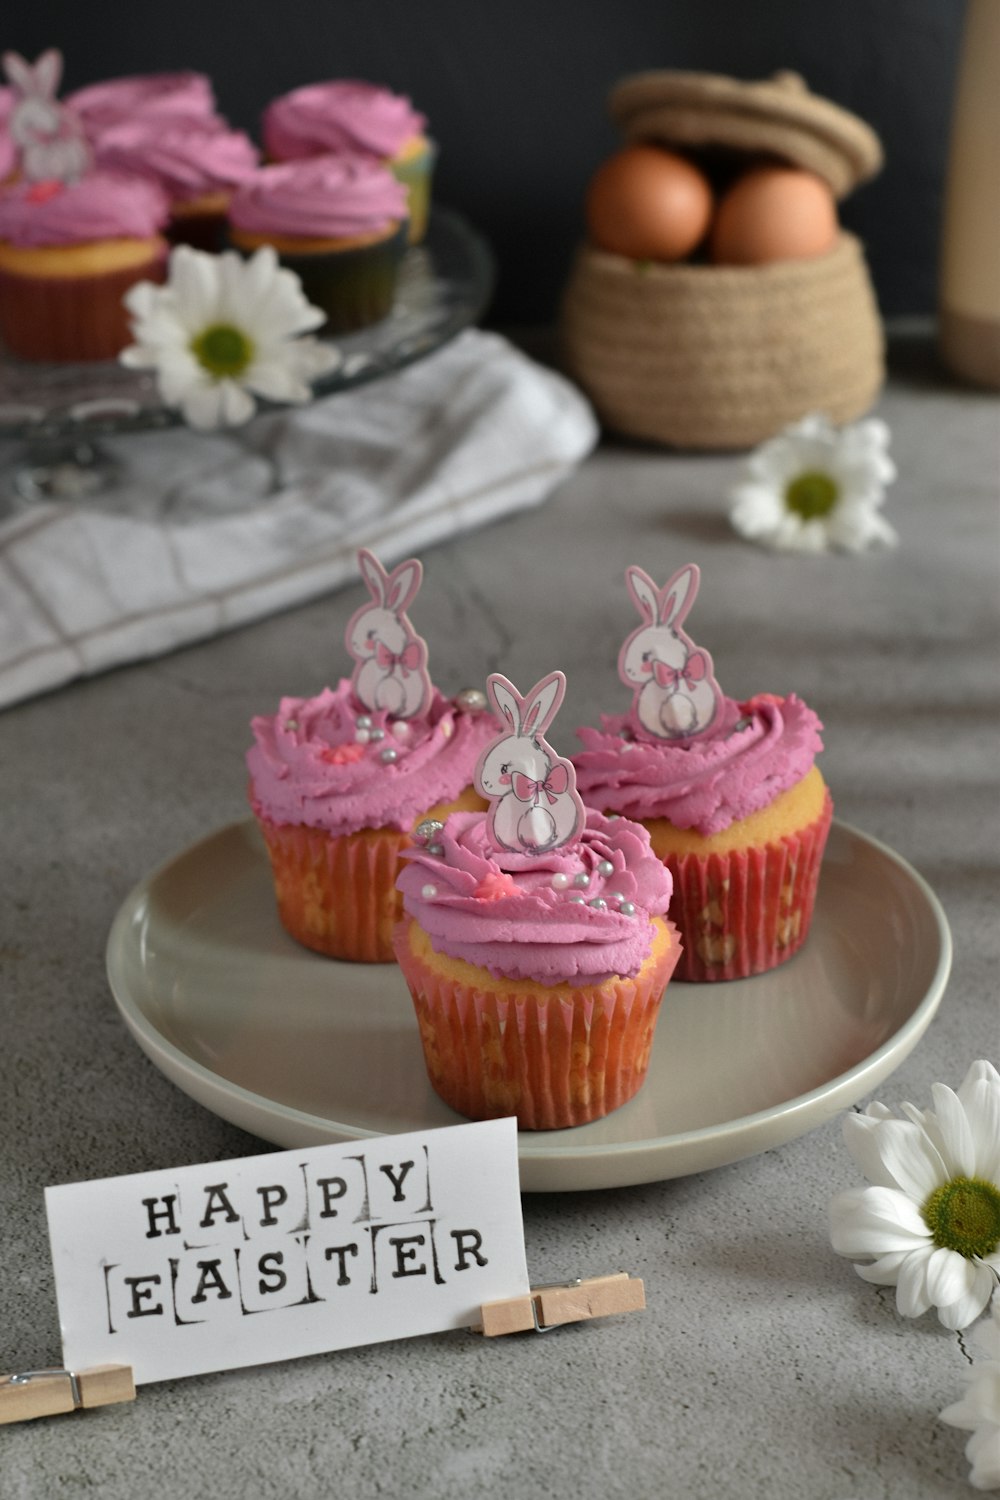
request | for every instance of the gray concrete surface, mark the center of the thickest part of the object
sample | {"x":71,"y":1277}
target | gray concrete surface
{"x":763,"y":1365}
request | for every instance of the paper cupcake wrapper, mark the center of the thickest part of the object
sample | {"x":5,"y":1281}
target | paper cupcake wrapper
{"x":553,"y":1061}
{"x":354,"y":287}
{"x":71,"y":317}
{"x":337,"y":894}
{"x":748,"y":911}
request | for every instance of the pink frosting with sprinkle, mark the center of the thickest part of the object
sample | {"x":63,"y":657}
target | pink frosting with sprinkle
{"x":186,"y":157}
{"x":308,"y":766}
{"x":339,"y":116}
{"x":326,"y":197}
{"x":100,"y":206}
{"x":117,"y":100}
{"x":527,"y":927}
{"x":754,"y":751}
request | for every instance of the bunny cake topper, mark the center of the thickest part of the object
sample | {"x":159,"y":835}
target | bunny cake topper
{"x":390,"y":659}
{"x":48,"y":135}
{"x":534,"y":804}
{"x":676,"y":696}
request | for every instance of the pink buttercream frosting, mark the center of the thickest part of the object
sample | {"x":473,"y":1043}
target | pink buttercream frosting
{"x":114,"y":101}
{"x":326,"y":197}
{"x":309,"y":766}
{"x":754,"y":751}
{"x":533,"y":917}
{"x":339,"y":116}
{"x":186,"y":157}
{"x":99,"y":206}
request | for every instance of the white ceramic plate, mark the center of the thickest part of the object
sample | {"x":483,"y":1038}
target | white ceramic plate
{"x":301,"y":1050}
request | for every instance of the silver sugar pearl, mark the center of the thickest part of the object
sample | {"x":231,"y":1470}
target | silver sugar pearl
{"x":362,"y":736}
{"x":741,"y":724}
{"x":471,"y":701}
{"x":428,"y":828}
{"x":559,"y":881}
{"x":583,"y":879}
{"x":615,"y":896}
{"x":291,"y":723}
{"x":605,"y":867}
{"x":581,"y":899}
{"x":363,"y":721}
{"x":428,"y":891}
{"x":598,"y":903}
{"x":400,"y":729}
{"x":435,"y":848}
{"x":627,"y":908}
{"x":378,"y":734}
{"x":388,"y":755}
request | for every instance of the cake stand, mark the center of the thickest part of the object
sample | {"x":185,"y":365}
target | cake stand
{"x":58,"y":413}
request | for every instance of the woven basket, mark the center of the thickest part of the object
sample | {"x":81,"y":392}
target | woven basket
{"x":721,"y":357}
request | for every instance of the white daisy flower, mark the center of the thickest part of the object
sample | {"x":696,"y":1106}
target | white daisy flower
{"x":223,"y":330}
{"x":978,"y":1411}
{"x":930,"y":1224}
{"x":813,"y":487}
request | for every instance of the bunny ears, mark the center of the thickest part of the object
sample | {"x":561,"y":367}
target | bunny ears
{"x":534,"y":804}
{"x":37,"y":80}
{"x":675,"y":694}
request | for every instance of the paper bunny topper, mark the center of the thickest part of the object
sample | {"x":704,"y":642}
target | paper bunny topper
{"x":48,"y":135}
{"x":675,"y":694}
{"x":534,"y":803}
{"x":390,"y":659}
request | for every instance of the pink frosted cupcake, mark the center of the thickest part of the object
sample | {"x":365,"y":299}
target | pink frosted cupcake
{"x":68,"y":254}
{"x":198,"y":162}
{"x":338,"y":782}
{"x":338,"y":222}
{"x":160,"y":96}
{"x":730,"y":793}
{"x":535,"y":942}
{"x":347,"y":117}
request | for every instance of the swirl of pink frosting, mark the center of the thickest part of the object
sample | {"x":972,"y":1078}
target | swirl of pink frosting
{"x":186,"y":157}
{"x":99,"y":206}
{"x":309,"y":766}
{"x":754,"y":751}
{"x":114,"y":101}
{"x":326,"y":197}
{"x":341,"y":116}
{"x":531,"y":916}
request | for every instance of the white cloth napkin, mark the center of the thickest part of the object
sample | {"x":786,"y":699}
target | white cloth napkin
{"x":201,"y":533}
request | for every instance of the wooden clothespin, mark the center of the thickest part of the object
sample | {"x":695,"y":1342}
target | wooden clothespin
{"x":45,"y":1393}
{"x":547,"y":1307}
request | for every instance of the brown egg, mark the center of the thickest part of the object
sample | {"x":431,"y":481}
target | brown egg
{"x":773,"y":213}
{"x":648,"y":203}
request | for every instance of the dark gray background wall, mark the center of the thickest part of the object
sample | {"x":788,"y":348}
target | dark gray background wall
{"x":515,"y":93}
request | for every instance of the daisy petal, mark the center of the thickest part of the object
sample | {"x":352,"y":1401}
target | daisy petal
{"x":875,"y":1221}
{"x":912,"y":1159}
{"x":912,"y":1296}
{"x":966,"y":1308}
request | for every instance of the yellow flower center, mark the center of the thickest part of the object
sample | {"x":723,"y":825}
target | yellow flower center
{"x":812,"y":495}
{"x":224,"y":351}
{"x":964,"y":1215}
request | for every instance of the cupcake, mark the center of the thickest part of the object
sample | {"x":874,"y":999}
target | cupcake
{"x":730,"y":793}
{"x":534,"y":939}
{"x":158,"y":96}
{"x":348,"y":117}
{"x":69,"y":251}
{"x":338,"y":222}
{"x":197,"y":162}
{"x":339,"y":781}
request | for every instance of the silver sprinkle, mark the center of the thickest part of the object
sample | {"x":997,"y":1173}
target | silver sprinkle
{"x":615,"y":896}
{"x":559,"y":881}
{"x":435,"y":848}
{"x":627,"y":909}
{"x":388,"y":755}
{"x":428,"y":891}
{"x":428,"y":828}
{"x":598,"y":903}
{"x":363,"y":721}
{"x":291,"y":723}
{"x":378,"y":734}
{"x":471,"y":701}
{"x":581,"y":899}
{"x":583,"y":879}
{"x":605,"y":867}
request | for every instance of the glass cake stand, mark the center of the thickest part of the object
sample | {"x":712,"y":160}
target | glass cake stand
{"x":58,"y":413}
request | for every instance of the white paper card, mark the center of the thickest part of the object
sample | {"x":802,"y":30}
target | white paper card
{"x":291,"y":1253}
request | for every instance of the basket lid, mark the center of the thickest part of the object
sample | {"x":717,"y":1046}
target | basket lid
{"x":775,"y":116}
